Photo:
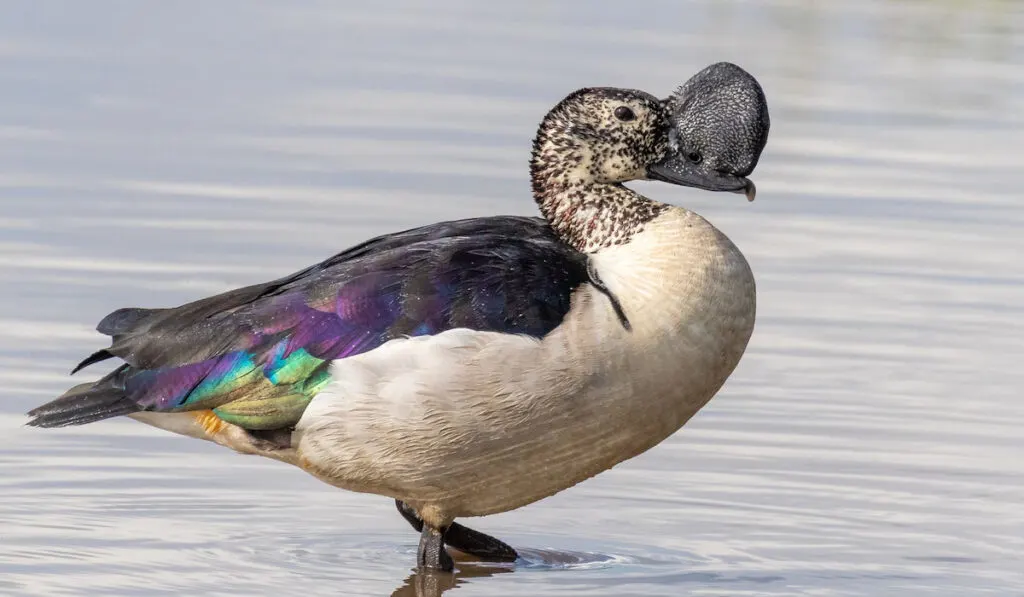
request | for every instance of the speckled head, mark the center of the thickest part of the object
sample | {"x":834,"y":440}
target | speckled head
{"x":591,"y":142}
{"x":600,"y":135}
{"x":720,"y":127}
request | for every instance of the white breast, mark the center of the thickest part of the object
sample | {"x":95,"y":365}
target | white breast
{"x":470,"y":423}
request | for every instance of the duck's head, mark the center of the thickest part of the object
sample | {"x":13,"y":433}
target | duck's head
{"x":704,"y":136}
{"x":720,"y":126}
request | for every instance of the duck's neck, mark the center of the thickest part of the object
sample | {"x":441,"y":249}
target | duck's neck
{"x":587,"y":214}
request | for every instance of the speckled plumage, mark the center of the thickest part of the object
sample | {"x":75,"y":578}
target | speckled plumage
{"x":567,"y":162}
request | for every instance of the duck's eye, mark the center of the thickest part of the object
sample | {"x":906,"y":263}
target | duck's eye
{"x":695,"y":157}
{"x":624,"y":114}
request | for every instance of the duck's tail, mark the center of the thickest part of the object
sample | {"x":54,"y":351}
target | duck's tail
{"x":86,"y":403}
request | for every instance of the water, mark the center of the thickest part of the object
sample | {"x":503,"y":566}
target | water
{"x":869,"y":443}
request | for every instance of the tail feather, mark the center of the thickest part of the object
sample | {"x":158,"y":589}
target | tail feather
{"x":96,"y":357}
{"x":84,"y":403}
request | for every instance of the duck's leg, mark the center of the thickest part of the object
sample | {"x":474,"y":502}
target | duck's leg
{"x":432,"y":554}
{"x":465,"y":539}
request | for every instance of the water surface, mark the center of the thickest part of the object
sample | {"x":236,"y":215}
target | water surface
{"x":869,"y":443}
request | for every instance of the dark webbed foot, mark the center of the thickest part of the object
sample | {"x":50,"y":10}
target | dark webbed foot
{"x":432,"y":554}
{"x":478,"y":544}
{"x":465,"y":539}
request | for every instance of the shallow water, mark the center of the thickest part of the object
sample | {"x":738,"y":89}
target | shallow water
{"x":870,"y":443}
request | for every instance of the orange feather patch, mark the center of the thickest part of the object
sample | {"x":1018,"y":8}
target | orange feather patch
{"x":210,"y":422}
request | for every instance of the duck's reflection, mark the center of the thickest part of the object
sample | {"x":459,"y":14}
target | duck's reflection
{"x":435,"y":584}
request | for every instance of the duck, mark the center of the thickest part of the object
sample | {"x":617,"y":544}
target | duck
{"x":472,"y":367}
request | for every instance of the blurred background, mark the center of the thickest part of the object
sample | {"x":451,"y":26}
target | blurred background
{"x":870,"y":442}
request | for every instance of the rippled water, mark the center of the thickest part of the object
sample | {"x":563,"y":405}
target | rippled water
{"x":870,"y":443}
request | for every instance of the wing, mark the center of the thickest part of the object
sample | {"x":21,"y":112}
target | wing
{"x":257,"y":355}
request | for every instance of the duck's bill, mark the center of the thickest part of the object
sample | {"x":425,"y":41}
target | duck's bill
{"x":676,"y":169}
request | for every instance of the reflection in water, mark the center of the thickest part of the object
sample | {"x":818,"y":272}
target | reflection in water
{"x":622,"y":572}
{"x":431,"y":583}
{"x":434,"y":584}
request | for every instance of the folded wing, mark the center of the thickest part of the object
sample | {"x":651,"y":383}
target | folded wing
{"x":256,"y":356}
